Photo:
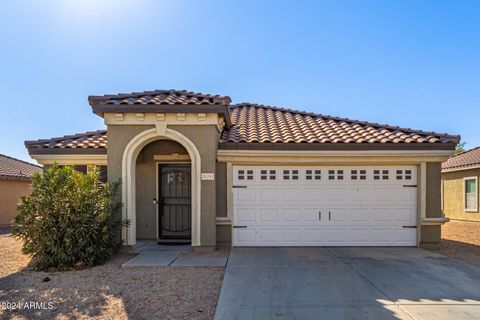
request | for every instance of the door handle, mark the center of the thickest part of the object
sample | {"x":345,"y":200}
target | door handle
{"x":319,"y":215}
{"x":155,"y":202}
{"x":329,"y":215}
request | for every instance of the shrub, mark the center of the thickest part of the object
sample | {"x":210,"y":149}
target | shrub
{"x":70,"y":219}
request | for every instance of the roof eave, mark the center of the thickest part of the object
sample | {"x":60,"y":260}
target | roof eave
{"x":337,"y":146}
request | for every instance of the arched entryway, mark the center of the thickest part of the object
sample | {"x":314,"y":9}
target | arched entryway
{"x":129,"y":194}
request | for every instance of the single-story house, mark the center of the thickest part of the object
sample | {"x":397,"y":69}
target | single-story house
{"x":15,"y":182}
{"x":460,"y":176}
{"x":195,"y":167}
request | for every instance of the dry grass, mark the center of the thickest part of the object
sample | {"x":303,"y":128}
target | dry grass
{"x":461,"y":240}
{"x":108,"y":291}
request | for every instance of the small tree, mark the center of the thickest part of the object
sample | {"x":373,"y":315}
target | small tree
{"x":460,"y":147}
{"x":69,"y":220}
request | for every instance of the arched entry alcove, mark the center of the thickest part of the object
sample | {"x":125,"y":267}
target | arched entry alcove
{"x":129,"y":197}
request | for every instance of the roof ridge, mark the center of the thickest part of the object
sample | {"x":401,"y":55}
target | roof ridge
{"x":353,"y":121}
{"x":158,"y":91}
{"x":25,"y":162}
{"x":70,"y":136}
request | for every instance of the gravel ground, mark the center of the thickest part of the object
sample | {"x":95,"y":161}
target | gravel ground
{"x":461,"y":240}
{"x":107,"y":291}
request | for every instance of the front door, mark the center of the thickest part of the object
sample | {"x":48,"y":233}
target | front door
{"x":174,"y":194}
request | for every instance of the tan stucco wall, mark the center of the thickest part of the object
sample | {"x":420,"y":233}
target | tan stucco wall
{"x":431,"y":234}
{"x":10,"y":193}
{"x":146,"y":174}
{"x":433,"y":200}
{"x":453,"y":203}
{"x":221,"y":185}
{"x":224,"y":235}
{"x":205,"y":138}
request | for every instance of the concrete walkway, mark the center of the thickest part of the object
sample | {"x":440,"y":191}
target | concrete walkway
{"x":151,"y":254}
{"x":347,"y":283}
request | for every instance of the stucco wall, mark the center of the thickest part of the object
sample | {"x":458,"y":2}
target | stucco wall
{"x":221,"y":185}
{"x":431,"y":234}
{"x":146,"y":174}
{"x":205,"y":138}
{"x":10,"y":193}
{"x":453,"y":203}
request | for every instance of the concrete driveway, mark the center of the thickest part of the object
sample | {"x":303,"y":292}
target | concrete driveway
{"x":347,"y":283}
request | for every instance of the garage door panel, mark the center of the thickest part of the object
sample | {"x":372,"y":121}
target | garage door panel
{"x":246,"y":194}
{"x":291,"y":194}
{"x":291,"y":214}
{"x":276,"y":206}
{"x":268,"y":194}
{"x":268,"y":215}
{"x":292,"y":235}
{"x":313,"y":235}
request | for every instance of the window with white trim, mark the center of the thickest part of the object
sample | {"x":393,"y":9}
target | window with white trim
{"x":268,"y":174}
{"x":470,"y":188}
{"x":335,"y":174}
{"x":313,"y":174}
{"x":290,"y":174}
{"x":245,"y":174}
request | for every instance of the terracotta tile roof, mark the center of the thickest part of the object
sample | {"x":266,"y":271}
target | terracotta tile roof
{"x":87,"y":140}
{"x":252,"y":123}
{"x":14,"y":169}
{"x":464,"y":160}
{"x":161,"y":97}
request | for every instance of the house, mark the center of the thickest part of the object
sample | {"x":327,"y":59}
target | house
{"x":460,"y":176}
{"x":15,"y":182}
{"x":197,"y":168}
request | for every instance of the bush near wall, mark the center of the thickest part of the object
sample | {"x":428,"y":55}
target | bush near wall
{"x":69,"y":220}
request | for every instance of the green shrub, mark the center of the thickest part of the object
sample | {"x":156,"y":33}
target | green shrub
{"x":70,"y":219}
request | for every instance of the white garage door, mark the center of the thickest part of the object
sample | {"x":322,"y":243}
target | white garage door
{"x":325,"y":206}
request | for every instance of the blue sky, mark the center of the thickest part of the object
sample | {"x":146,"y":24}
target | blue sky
{"x":414,"y":64}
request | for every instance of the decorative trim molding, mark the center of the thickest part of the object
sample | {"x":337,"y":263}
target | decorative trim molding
{"x":171,"y":157}
{"x":71,"y":159}
{"x":130,"y":155}
{"x":434,"y":221}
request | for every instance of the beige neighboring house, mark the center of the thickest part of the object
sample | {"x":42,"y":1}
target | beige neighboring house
{"x":460,"y":175}
{"x":196,"y":168}
{"x":15,"y":182}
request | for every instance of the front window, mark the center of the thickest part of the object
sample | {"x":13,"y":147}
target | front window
{"x":471,"y":194}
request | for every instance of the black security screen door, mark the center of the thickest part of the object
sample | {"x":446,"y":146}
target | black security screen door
{"x":175,"y":211}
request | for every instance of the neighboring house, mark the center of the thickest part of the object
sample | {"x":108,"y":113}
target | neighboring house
{"x":15,"y":182}
{"x":460,"y":176}
{"x":196,"y":168}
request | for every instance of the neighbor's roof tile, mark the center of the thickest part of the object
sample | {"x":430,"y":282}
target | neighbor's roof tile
{"x":14,"y":169}
{"x":463,"y":160}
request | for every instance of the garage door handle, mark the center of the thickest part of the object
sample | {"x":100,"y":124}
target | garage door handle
{"x":239,"y":227}
{"x":319,"y":215}
{"x":329,"y":215}
{"x":410,"y":227}
{"x":235,"y":187}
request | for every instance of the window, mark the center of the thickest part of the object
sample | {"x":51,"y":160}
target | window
{"x":358,"y":174}
{"x":268,"y":174}
{"x":290,"y":174}
{"x":311,"y":174}
{"x":471,"y":194}
{"x":332,"y":176}
{"x":245,"y":174}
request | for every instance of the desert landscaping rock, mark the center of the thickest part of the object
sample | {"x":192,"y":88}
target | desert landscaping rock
{"x":108,"y":291}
